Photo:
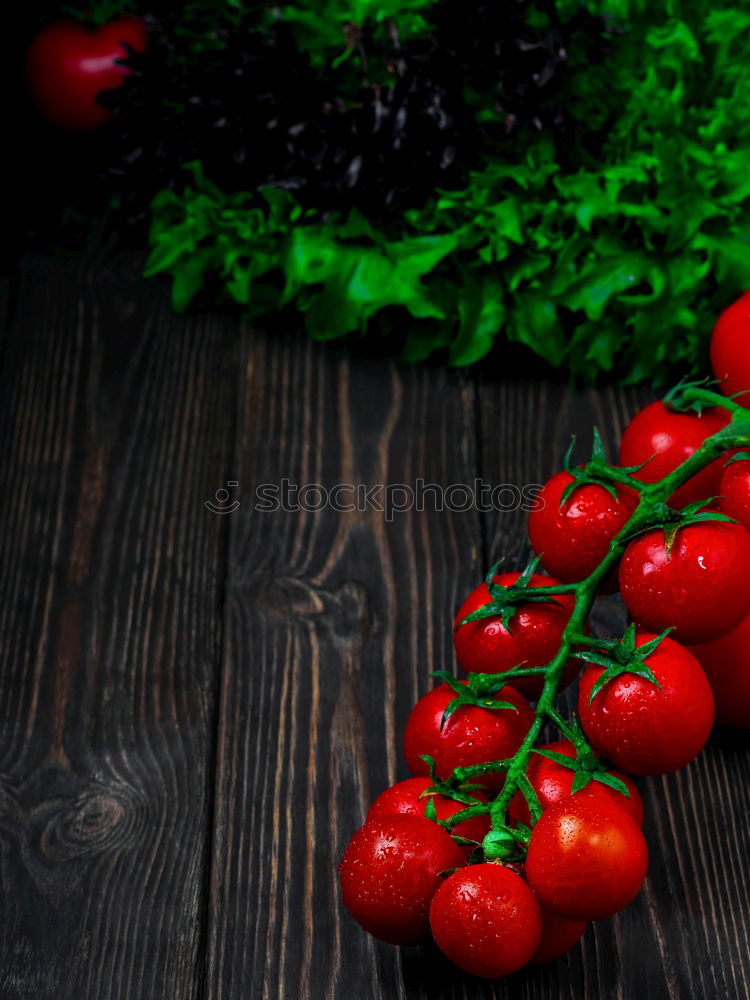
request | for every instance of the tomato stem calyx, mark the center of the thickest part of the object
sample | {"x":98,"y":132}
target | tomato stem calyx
{"x":505,"y":601}
{"x":621,"y":656}
{"x":596,"y":472}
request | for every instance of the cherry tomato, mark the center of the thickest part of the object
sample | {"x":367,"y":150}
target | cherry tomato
{"x":486,"y":920}
{"x":471,"y":735}
{"x":404,"y":798}
{"x":726,"y":662}
{"x":69,"y":65}
{"x":645,"y":729}
{"x":572,"y":539}
{"x":552,"y":782}
{"x":390,"y":872}
{"x":558,"y":937}
{"x":671,"y":438}
{"x":734,"y":492}
{"x":730,"y":357}
{"x":532,"y":637}
{"x":585,"y":861}
{"x":701,"y":587}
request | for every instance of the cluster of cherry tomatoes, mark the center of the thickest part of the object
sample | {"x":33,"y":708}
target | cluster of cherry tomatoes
{"x":646,"y":705}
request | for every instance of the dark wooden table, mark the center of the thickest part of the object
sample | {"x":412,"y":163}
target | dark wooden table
{"x":196,"y":708}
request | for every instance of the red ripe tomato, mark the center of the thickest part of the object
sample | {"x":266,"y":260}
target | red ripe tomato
{"x":701,"y":587}
{"x":69,"y":65}
{"x":532,"y":637}
{"x":390,"y":872}
{"x":641,"y":728}
{"x":471,"y":735}
{"x":734,"y":491}
{"x":573,"y":539}
{"x":558,"y":937}
{"x":485,"y":919}
{"x":585,"y":861}
{"x":730,"y":358}
{"x":552,"y":783}
{"x":672,"y":438}
{"x":726,"y":662}
{"x":404,"y":798}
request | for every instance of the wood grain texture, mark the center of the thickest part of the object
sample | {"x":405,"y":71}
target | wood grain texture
{"x":196,"y":709}
{"x":336,"y":621}
{"x":117,"y":422}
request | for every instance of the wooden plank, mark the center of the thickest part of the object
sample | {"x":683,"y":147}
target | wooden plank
{"x":117,"y":423}
{"x":336,"y":620}
{"x":686,"y":935}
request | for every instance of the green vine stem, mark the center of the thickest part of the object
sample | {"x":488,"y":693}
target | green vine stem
{"x":651,"y":512}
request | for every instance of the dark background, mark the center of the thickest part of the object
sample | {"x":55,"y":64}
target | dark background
{"x":196,"y":709}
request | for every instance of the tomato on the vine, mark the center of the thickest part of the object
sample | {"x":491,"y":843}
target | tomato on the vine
{"x":642,"y":728}
{"x":730,"y":350}
{"x":701,"y":586}
{"x":573,"y":537}
{"x":390,"y":872}
{"x":558,"y":937}
{"x":485,"y":919}
{"x":668,"y":439}
{"x":532,"y":637}
{"x":69,"y":65}
{"x":553,"y":782}
{"x":407,"y":798}
{"x":734,"y":491}
{"x":586,"y":861}
{"x":471,"y":735}
{"x":726,"y":661}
